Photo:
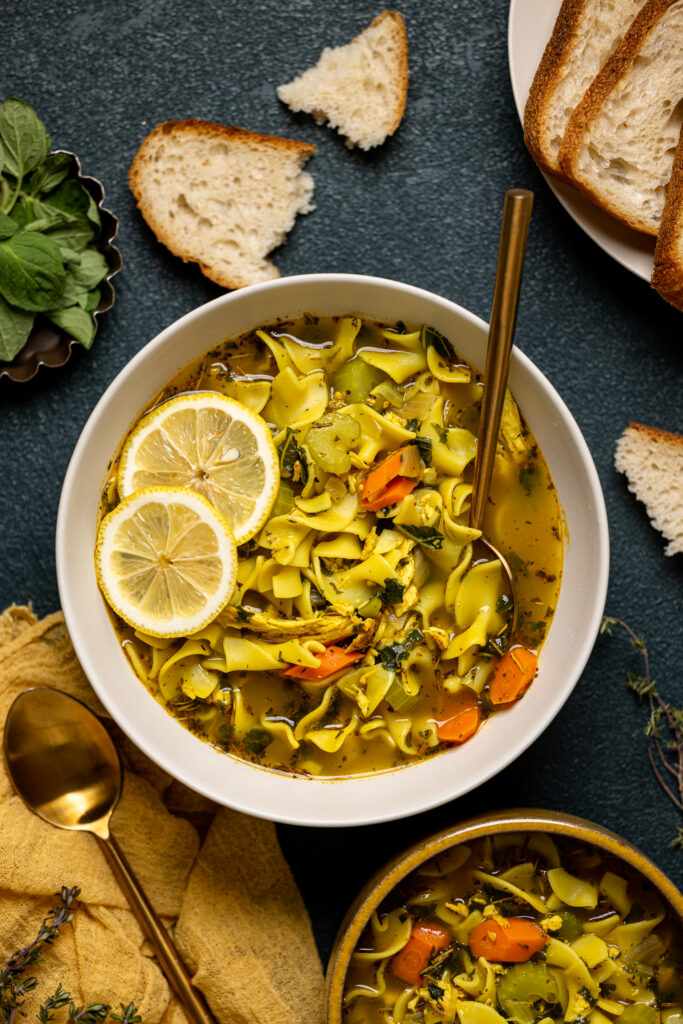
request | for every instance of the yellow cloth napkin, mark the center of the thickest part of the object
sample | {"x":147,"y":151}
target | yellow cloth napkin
{"x":218,"y":879}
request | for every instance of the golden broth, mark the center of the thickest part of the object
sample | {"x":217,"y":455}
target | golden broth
{"x":256,"y":714}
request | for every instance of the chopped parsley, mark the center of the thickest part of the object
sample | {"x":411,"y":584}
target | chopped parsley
{"x":292,"y":456}
{"x":427,"y":536}
{"x":391,"y":656}
{"x":424,"y":446}
{"x":256,"y":740}
{"x":431,"y":338}
{"x":392,"y":592}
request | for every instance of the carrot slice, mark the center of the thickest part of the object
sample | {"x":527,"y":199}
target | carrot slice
{"x":512,"y":940}
{"x":463,"y":718}
{"x":515,"y":671}
{"x":404,"y":462}
{"x":397,"y":489}
{"x":332,"y":659}
{"x":425,"y":939}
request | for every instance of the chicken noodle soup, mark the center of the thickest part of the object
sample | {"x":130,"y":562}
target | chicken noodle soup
{"x":519,"y":928}
{"x":366,"y":629}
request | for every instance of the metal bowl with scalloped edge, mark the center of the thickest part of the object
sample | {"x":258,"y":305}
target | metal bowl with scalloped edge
{"x":49,"y":345}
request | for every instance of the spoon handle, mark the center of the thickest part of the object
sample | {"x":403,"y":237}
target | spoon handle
{"x":171,"y":964}
{"x":513,"y":236}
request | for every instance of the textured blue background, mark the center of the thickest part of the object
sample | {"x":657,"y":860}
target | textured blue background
{"x":424,"y":209}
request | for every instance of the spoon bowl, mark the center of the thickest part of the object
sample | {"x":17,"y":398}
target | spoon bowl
{"x":62,"y":761}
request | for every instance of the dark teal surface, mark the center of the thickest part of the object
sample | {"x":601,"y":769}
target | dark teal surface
{"x":424,"y":209}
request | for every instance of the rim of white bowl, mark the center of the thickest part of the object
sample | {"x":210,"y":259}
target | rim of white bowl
{"x":330,"y":802}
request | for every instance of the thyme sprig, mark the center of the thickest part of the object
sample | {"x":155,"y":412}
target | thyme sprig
{"x":15,"y":985}
{"x":664,"y":728}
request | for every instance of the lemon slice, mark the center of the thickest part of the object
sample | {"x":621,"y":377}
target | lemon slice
{"x":166,"y":561}
{"x":214,"y":445}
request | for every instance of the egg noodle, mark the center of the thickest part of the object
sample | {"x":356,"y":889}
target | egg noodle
{"x":360,"y":619}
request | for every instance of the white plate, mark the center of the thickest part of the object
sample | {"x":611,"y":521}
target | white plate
{"x":529,"y":28}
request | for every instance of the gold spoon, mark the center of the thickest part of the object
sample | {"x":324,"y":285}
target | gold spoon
{"x":65,"y":767}
{"x":513,"y":236}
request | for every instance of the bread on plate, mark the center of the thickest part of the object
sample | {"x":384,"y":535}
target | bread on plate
{"x":586,"y":32}
{"x":667,"y":276}
{"x":619,"y":144}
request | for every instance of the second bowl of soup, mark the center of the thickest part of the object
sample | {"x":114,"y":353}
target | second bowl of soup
{"x":363,"y":636}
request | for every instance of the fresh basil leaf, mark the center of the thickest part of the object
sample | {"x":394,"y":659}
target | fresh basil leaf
{"x":428,"y":536}
{"x":93,"y":213}
{"x":91,"y":300}
{"x":72,"y":239}
{"x":25,"y":143}
{"x":71,"y":198}
{"x":53,"y":170}
{"x":89,"y":270}
{"x":73,"y":294}
{"x":32,"y":274}
{"x":76,"y":322}
{"x":15,"y":327}
{"x":8,"y":227}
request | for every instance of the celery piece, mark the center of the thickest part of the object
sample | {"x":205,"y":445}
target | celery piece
{"x":356,"y":379}
{"x":284,"y":502}
{"x":521,"y":989}
{"x":330,"y":439}
{"x":370,"y":609}
{"x":398,"y":699}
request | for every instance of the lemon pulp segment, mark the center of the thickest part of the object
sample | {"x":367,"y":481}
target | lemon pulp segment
{"x":213,"y":445}
{"x":166,"y":561}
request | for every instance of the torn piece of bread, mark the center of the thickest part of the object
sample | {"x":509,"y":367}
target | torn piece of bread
{"x":667,"y":276}
{"x":360,"y":89}
{"x":619,"y":145}
{"x":653,"y":463}
{"x":586,"y":32}
{"x":221,"y":196}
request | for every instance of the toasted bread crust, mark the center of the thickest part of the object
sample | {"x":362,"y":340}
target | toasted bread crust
{"x":667,"y":276}
{"x":616,"y":67}
{"x":195,"y":128}
{"x":660,"y":436}
{"x":546,"y":78}
{"x":401,"y":71}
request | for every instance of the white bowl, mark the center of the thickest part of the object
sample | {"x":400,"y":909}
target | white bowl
{"x":373,"y":797}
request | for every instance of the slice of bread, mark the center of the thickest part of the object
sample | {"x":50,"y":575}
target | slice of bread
{"x":220,"y":196}
{"x":586,"y":32}
{"x":619,"y":145}
{"x":667,"y":276}
{"x":360,"y":89}
{"x":653,"y":463}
